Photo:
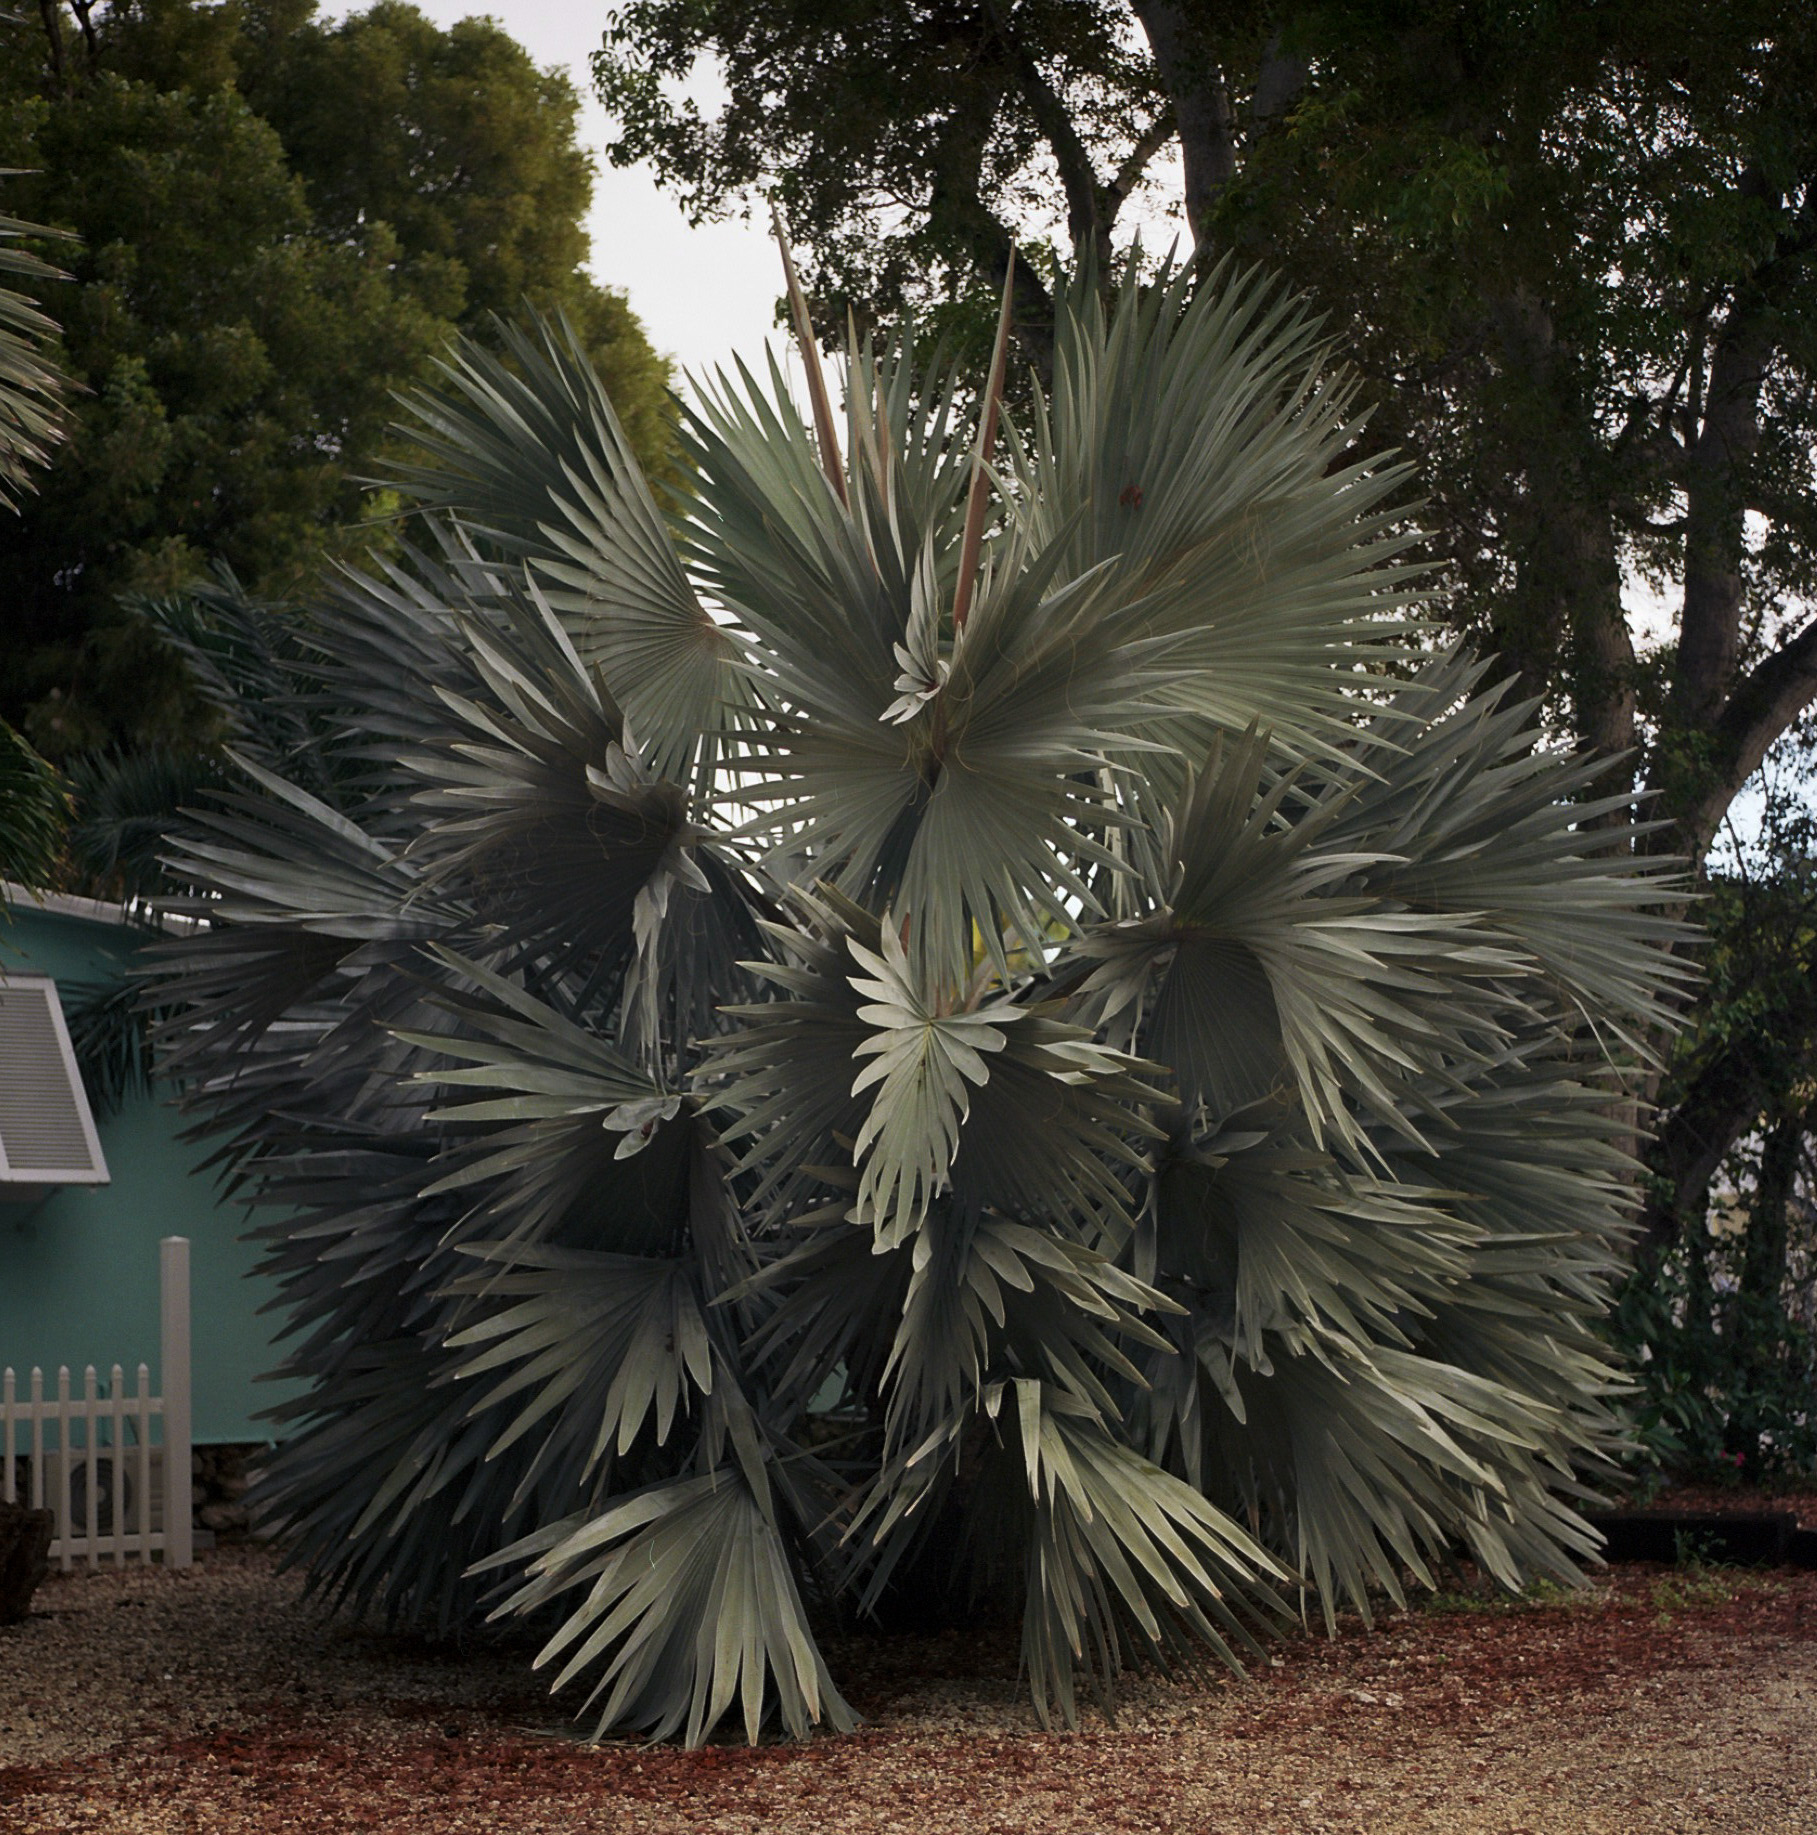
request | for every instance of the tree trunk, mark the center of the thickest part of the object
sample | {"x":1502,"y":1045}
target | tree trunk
{"x":1763,"y":1254}
{"x":1190,"y":73}
{"x":1716,"y":464}
{"x":1718,"y":725}
{"x":1690,"y":1141}
{"x":1560,"y":529}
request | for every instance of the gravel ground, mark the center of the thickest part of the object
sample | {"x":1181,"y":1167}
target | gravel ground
{"x":148,"y":1703}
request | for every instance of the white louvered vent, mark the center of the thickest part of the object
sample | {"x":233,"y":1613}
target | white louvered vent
{"x":47,"y":1133}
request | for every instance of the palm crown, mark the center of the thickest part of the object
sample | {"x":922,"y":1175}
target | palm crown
{"x":794,"y":1066}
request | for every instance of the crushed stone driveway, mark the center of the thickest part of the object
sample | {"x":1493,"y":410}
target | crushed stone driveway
{"x":219,"y":1702}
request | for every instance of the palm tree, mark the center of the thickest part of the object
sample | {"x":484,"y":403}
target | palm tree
{"x":33,"y":800}
{"x":803,"y":1058}
{"x":32,"y":385}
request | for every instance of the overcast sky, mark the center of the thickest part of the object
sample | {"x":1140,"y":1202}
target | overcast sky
{"x":701,"y":293}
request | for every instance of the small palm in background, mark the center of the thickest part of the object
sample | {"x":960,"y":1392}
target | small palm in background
{"x":795,"y":1071}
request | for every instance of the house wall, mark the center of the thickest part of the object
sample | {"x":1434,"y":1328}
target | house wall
{"x":79,"y":1269}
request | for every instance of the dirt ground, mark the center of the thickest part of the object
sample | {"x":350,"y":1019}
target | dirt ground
{"x":217,"y":1702}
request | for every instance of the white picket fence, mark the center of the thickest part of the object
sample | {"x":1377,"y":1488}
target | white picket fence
{"x":95,"y":1451}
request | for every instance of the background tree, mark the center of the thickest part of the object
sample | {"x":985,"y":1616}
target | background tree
{"x":1573,"y":248}
{"x":281,"y":222}
{"x":1727,"y":1315}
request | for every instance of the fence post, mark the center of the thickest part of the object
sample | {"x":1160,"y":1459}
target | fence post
{"x":173,"y":1373}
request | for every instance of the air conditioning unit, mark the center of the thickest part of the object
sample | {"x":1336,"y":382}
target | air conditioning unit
{"x":47,"y":1130}
{"x":116,"y":1489}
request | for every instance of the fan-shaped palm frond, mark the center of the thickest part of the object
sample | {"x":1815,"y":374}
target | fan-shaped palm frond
{"x":32,"y":386}
{"x":110,"y":1034}
{"x":772,"y":1091}
{"x":525,"y":448}
{"x":34,"y":800}
{"x":126,"y":807}
{"x":34,"y":812}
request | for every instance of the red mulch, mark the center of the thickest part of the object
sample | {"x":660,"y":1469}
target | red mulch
{"x":1447,"y":1669}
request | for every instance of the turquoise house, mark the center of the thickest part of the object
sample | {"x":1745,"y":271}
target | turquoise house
{"x":79,"y":1262}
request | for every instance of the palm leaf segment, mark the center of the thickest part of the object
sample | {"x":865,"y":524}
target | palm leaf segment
{"x":32,"y":384}
{"x":768,"y":1094}
{"x":34,"y":801}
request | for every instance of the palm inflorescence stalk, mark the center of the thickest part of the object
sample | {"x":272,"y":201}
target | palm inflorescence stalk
{"x":771,"y":1102}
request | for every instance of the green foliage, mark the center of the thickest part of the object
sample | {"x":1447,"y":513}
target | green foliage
{"x":773,"y":1096}
{"x":835,"y":109}
{"x":457,"y":141}
{"x":126,"y":808}
{"x":1722,"y":1320}
{"x":112,"y":1043}
{"x":281,"y":223}
{"x":1555,"y":239}
{"x":1571,"y":248}
{"x":1726,"y":1378}
{"x":34,"y":808}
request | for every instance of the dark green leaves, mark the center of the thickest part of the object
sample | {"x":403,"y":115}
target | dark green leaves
{"x":34,"y":811}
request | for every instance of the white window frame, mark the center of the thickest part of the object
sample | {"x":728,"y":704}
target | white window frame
{"x":38,"y":1181}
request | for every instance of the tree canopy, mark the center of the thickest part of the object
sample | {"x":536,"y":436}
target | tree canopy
{"x":1572,"y":247}
{"x":280,"y":222}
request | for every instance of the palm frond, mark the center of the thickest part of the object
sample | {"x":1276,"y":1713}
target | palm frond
{"x":127,"y":808}
{"x":691,"y":1611}
{"x":525,"y":447}
{"x":34,"y":812}
{"x":110,"y":1034}
{"x":1197,"y":448}
{"x":1122,"y":1554}
{"x":32,"y":385}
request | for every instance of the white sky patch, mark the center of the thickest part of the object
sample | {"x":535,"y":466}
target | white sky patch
{"x":1652,"y":615}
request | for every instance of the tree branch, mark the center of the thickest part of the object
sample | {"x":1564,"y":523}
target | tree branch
{"x":1280,"y":79}
{"x":1722,"y":1103}
{"x":1085,"y":223}
{"x":1129,"y":174}
{"x":51,"y":12}
{"x":1751,"y":1062}
{"x":1201,"y":105}
{"x":1769,"y":698}
{"x":1710,"y":632}
{"x":84,"y":12}
{"x":956,"y":209}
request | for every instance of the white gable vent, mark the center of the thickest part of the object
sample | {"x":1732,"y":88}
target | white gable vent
{"x":47,"y":1132}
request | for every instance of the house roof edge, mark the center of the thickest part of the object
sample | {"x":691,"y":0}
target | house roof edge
{"x":96,"y":910}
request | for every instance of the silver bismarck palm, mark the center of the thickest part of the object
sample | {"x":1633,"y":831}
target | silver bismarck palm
{"x":802,"y":1054}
